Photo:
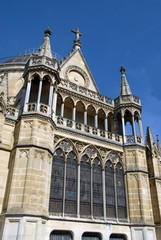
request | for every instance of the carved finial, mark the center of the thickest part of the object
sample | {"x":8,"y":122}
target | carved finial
{"x":122,"y":69}
{"x":77,"y":43}
{"x":48,"y":32}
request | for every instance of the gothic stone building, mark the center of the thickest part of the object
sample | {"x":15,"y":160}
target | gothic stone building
{"x":73,"y":163}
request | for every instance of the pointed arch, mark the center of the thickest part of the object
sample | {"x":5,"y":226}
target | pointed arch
{"x":59,"y":104}
{"x":101,"y":119}
{"x":128,"y":122}
{"x":57,"y":182}
{"x":46,"y":82}
{"x":97,"y":188}
{"x":80,"y":109}
{"x":110,"y":190}
{"x":34,"y":88}
{"x":71,"y":184}
{"x":120,"y":189}
{"x":91,"y":115}
{"x":110,"y":122}
{"x":85,"y":186}
{"x":68,"y":108}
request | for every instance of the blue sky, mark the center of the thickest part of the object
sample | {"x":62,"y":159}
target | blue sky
{"x":114,"y":33}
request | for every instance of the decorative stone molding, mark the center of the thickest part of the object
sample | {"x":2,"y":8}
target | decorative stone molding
{"x":24,"y":153}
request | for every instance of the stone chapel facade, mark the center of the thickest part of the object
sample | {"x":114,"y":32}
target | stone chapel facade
{"x":69,"y":167}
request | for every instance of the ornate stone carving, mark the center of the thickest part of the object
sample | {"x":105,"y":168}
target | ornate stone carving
{"x":39,"y":155}
{"x":23,"y":153}
{"x":134,"y":177}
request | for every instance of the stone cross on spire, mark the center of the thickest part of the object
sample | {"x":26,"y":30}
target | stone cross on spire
{"x":77,"y":33}
{"x":77,"y":43}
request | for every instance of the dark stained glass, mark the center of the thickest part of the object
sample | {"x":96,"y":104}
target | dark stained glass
{"x":71,"y":184}
{"x":61,"y":235}
{"x":57,"y":183}
{"x":110,"y":190}
{"x":97,"y":189}
{"x":120,"y":188}
{"x":91,"y":236}
{"x":85,"y":187}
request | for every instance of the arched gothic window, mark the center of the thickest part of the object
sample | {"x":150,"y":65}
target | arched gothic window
{"x":120,"y":189}
{"x":83,"y":189}
{"x":45,"y":90}
{"x":97,"y":189}
{"x":71,"y":184}
{"x":110,"y":190}
{"x":85,"y":186}
{"x":63,"y":193}
{"x":34,"y":89}
{"x":57,"y":182}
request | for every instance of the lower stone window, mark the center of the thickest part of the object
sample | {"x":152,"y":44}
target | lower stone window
{"x":117,"y":237}
{"x":61,"y":235}
{"x":91,"y":236}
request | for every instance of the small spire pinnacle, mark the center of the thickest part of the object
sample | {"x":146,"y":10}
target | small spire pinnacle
{"x":149,"y":138}
{"x":125,"y":88}
{"x":45,"y":49}
{"x":77,"y":43}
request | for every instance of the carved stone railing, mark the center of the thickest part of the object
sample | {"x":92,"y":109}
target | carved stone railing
{"x":43,"y":108}
{"x":43,"y":60}
{"x":12,"y":113}
{"x":86,"y":129}
{"x":86,"y":92}
{"x":127,"y":99}
{"x":131,"y":139}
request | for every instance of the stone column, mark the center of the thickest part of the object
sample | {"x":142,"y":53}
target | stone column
{"x":78,"y":192}
{"x":50,"y":98}
{"x":39,"y":95}
{"x":62,"y":109}
{"x":85,"y":117}
{"x":28,"y":88}
{"x":106,"y":123}
{"x":104,"y":193}
{"x":96,"y":120}
{"x":74,"y":113}
{"x":123,"y":128}
{"x":54,"y":104}
{"x":140,"y":129}
{"x":133,"y":128}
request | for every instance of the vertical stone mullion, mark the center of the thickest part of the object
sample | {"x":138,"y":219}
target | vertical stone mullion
{"x":104,"y":193}
{"x":39,"y":95}
{"x":64,"y":186}
{"x":28,"y":89}
{"x":78,"y":192}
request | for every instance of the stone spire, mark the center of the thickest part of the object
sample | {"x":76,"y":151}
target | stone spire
{"x":149,"y":139}
{"x":77,"y":43}
{"x":45,"y":49}
{"x":125,"y":89}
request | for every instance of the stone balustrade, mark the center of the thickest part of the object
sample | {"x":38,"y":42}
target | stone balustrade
{"x":86,"y":129}
{"x":127,"y":99}
{"x":43,"y":60}
{"x":86,"y":92}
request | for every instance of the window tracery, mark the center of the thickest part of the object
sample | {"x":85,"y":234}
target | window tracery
{"x":77,"y":185}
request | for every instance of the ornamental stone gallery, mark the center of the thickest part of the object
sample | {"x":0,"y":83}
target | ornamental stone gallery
{"x":74,"y":164}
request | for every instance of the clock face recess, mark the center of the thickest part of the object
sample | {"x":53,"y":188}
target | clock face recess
{"x":76,"y":77}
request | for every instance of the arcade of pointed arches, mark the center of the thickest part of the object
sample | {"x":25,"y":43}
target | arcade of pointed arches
{"x":86,"y":185}
{"x":41,"y":96}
